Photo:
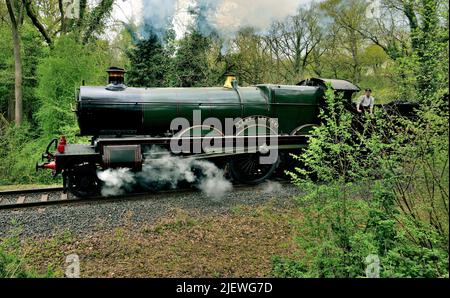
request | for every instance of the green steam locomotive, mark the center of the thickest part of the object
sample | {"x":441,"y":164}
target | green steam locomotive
{"x":126,"y":122}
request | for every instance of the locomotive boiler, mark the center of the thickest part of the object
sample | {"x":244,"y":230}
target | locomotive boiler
{"x":124,"y":123}
{"x":119,"y":110}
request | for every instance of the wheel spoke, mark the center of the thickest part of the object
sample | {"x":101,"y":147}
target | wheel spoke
{"x":247,"y":169}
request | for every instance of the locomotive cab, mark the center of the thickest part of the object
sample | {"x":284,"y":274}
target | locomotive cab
{"x":342,"y":88}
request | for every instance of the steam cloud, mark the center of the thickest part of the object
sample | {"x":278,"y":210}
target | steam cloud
{"x":157,"y":16}
{"x":224,"y":17}
{"x":228,"y":16}
{"x":270,"y":187}
{"x":163,"y":170}
{"x":116,"y":182}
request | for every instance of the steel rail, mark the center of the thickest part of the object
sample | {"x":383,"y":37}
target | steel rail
{"x":30,"y":191}
{"x":129,"y":196}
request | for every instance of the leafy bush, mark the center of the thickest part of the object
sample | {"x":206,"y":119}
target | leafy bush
{"x":284,"y":267}
{"x":382,"y":191}
{"x":60,"y":74}
{"x":20,"y":148}
{"x":409,"y":260}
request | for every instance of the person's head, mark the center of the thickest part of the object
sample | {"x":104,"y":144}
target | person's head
{"x":368,"y":92}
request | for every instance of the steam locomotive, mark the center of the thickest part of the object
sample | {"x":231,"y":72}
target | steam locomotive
{"x":124,"y":123}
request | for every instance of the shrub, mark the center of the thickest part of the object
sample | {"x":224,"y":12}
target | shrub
{"x":20,"y":148}
{"x":60,"y":74}
{"x":381,"y":191}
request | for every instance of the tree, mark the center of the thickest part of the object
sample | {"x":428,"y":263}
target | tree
{"x":430,"y":44}
{"x":6,"y":66}
{"x":348,"y":15}
{"x":415,"y":35}
{"x":190,"y":64}
{"x":150,"y":63}
{"x":60,"y":74}
{"x":250,"y":59}
{"x":95,"y":21}
{"x":15,"y":11}
{"x":32,"y":15}
{"x":50,"y":19}
{"x":293,"y":41}
{"x":330,"y":59}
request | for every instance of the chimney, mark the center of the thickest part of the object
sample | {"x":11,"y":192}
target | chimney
{"x":116,"y":78}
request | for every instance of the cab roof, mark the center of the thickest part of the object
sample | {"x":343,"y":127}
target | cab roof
{"x":338,"y":85}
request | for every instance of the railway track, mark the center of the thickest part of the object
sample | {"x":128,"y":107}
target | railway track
{"x":29,"y":191}
{"x":48,"y":197}
{"x":16,"y":199}
{"x":42,"y":197}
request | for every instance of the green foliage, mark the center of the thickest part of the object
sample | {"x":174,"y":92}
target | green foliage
{"x":190,"y":65}
{"x":20,"y":149}
{"x":382,"y":218}
{"x":250,"y":62}
{"x":383,"y":191}
{"x":331,"y":233}
{"x":6,"y":66}
{"x":286,"y":268}
{"x":173,"y":63}
{"x":60,"y":74}
{"x":150,"y":63}
{"x":32,"y":53}
{"x":422,"y":70}
{"x":95,"y":20}
{"x":430,"y":42}
{"x":333,"y":153}
{"x":406,"y":260}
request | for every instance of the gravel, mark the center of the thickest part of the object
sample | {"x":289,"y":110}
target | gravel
{"x":87,"y":217}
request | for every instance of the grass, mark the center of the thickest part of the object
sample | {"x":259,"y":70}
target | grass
{"x":26,"y":186}
{"x":238,"y":244}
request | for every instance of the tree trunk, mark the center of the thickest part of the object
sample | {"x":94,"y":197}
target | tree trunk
{"x":11,"y":105}
{"x":17,"y":63}
{"x":18,"y":79}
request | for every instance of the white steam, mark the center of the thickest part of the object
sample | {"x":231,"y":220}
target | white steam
{"x":225,"y":17}
{"x":161,"y":170}
{"x":157,"y":16}
{"x":270,"y":187}
{"x":229,"y":16}
{"x":213,"y":185}
{"x":116,"y":182}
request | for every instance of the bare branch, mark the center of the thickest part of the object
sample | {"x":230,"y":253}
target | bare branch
{"x":31,"y":14}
